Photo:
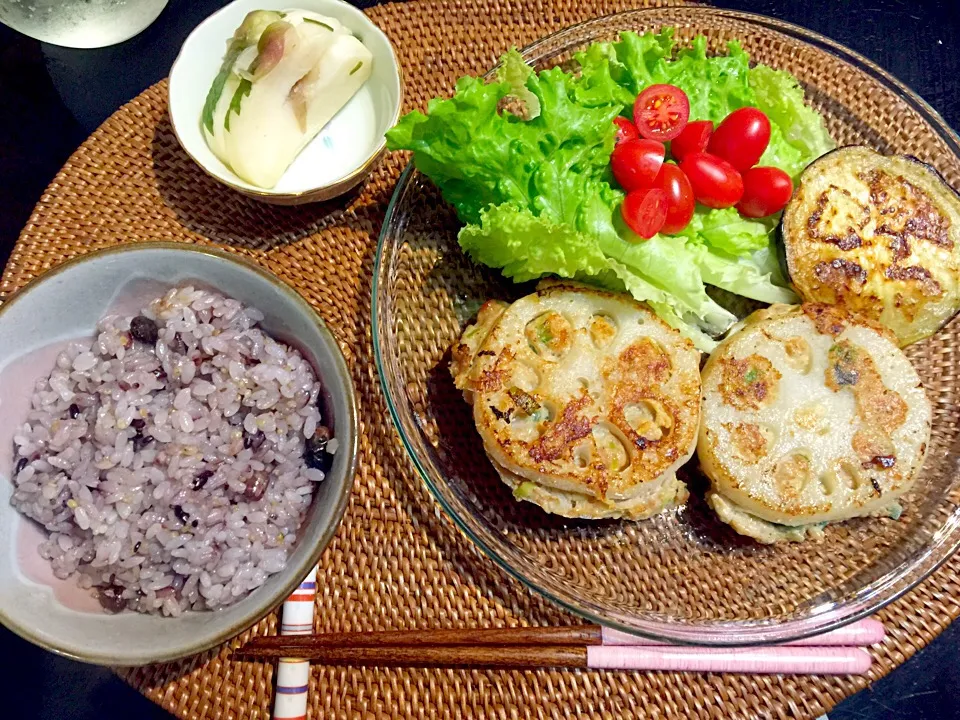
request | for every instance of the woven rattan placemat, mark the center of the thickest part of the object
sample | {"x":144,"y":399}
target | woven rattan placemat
{"x":395,"y":563}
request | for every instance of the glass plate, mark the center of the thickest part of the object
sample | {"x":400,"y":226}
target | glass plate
{"x":681,"y":576}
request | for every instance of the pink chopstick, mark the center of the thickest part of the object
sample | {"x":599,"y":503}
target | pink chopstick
{"x":859,"y":634}
{"x":785,"y":660}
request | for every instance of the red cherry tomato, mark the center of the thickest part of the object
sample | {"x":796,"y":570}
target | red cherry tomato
{"x":635,"y":163}
{"x":766,"y":190}
{"x":741,"y":138}
{"x":716,"y":183}
{"x":626,"y":130}
{"x":680,"y":203}
{"x":693,"y":138}
{"x":661,"y":112}
{"x":645,"y":211}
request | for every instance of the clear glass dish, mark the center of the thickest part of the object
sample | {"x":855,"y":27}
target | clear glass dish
{"x":681,"y":576}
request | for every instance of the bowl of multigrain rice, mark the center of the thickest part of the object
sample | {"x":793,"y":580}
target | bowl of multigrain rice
{"x":177,"y":448}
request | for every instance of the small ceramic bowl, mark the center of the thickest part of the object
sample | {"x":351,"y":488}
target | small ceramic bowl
{"x":345,"y":150}
{"x":66,"y":303}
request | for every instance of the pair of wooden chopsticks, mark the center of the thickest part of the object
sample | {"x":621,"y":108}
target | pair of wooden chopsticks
{"x":839,"y":652}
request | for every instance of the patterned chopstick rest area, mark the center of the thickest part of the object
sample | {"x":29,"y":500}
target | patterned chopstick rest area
{"x":293,"y":676}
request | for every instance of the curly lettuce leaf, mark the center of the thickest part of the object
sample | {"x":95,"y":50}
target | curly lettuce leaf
{"x":714,"y":85}
{"x":727,"y":231}
{"x":797,"y":125}
{"x":662,"y":304}
{"x":753,"y":276}
{"x":631,"y":64}
{"x":480,"y":157}
{"x":527,"y":247}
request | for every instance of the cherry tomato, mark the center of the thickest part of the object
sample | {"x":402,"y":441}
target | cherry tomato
{"x":661,"y":112}
{"x":693,"y":138}
{"x":645,"y":211}
{"x":741,"y":138}
{"x":626,"y":130}
{"x":716,"y":183}
{"x":766,"y":190}
{"x":635,"y":163}
{"x":680,"y":203}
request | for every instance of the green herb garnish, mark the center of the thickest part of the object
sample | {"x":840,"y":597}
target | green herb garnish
{"x":357,"y":67}
{"x":243,"y":89}
{"x":752,"y":375}
{"x":524,"y":490}
{"x":544,"y":334}
{"x":246,"y":35}
{"x":317,"y":22}
{"x":216,"y":89}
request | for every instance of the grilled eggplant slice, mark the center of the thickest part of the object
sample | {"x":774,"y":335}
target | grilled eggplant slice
{"x":880,"y":235}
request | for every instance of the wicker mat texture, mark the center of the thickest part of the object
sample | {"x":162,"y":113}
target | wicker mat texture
{"x":395,"y":562}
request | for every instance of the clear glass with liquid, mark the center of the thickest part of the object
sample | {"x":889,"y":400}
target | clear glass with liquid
{"x":80,"y":23}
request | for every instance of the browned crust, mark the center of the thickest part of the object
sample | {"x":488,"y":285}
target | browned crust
{"x":464,"y":352}
{"x":549,"y":335}
{"x":748,"y":383}
{"x":644,"y":363}
{"x":602,"y":330}
{"x":570,"y":427}
{"x":851,"y":367}
{"x":834,"y":319}
{"x":748,"y":441}
{"x":493,"y":378}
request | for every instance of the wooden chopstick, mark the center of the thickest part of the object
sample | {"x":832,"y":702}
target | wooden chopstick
{"x":532,"y":656}
{"x":861,"y":633}
{"x":783,"y":660}
{"x":562,"y":635}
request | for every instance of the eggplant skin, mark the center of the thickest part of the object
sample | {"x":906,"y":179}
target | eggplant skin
{"x":877,"y":234}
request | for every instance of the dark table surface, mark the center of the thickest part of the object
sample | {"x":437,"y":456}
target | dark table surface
{"x":51,"y":98}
